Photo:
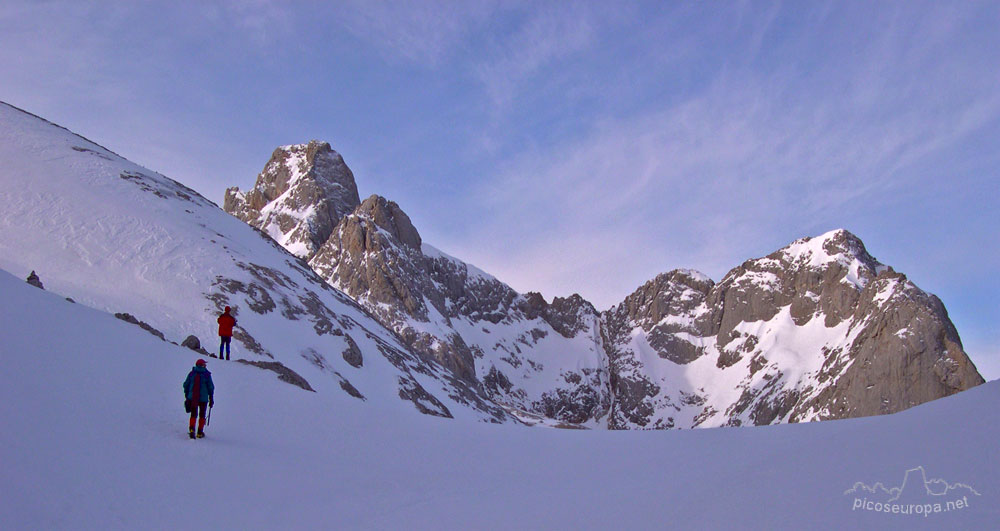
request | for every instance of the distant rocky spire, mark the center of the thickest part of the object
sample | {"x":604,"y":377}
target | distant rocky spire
{"x":299,"y":197}
{"x":818,"y":329}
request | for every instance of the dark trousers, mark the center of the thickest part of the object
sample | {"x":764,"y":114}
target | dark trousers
{"x":197,"y":411}
{"x":226,"y":340}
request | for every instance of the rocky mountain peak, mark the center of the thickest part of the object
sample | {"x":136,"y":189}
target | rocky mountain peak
{"x":568,"y":316}
{"x":389,"y":217}
{"x":817,"y":329}
{"x":302,"y":193}
{"x":315,"y":161}
{"x":672,"y":293}
{"x":837,"y":247}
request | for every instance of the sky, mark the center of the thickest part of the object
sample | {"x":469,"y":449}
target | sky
{"x":570,"y":147}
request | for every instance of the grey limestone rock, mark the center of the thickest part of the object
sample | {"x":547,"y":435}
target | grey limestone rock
{"x":35,"y":281}
{"x":902,"y":348}
{"x":192,"y":342}
{"x":352,"y":354}
{"x":284,"y":373}
{"x":129,"y":318}
{"x":898,"y":346}
{"x":299,"y":197}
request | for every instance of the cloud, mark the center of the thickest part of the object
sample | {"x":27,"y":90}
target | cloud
{"x":758,"y":158}
{"x":544,"y":35}
{"x":425,"y":33}
{"x":262,"y":22}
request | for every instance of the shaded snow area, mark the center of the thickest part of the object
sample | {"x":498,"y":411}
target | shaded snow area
{"x":96,"y":439}
{"x":699,"y":393}
{"x":120,"y":238}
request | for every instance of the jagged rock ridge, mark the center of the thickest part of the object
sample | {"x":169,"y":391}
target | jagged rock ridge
{"x":817,"y":330}
{"x":463,"y":318}
{"x":128,"y":241}
{"x":541,"y":361}
{"x":301,"y":194}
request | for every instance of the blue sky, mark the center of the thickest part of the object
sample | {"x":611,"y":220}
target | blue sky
{"x":570,"y":146}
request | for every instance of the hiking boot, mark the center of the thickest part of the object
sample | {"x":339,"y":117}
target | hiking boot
{"x":191,"y":433}
{"x":201,"y":434}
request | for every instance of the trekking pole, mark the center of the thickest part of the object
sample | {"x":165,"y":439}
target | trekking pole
{"x":208,"y":421}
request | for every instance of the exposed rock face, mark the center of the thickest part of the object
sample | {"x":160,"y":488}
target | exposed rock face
{"x":300,"y":196}
{"x":192,"y":342}
{"x":35,"y":281}
{"x":352,"y":354}
{"x":269,"y":291}
{"x":466,"y":320}
{"x":129,"y":318}
{"x":443,"y":309}
{"x":817,"y":330}
{"x":284,"y":373}
{"x":568,"y":316}
{"x":907,"y":352}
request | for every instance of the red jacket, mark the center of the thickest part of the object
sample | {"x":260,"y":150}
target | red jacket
{"x":226,"y":324}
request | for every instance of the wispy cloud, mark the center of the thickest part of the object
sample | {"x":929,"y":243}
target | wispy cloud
{"x":592,"y":144}
{"x":543,"y":36}
{"x":425,"y":33}
{"x":757,"y":157}
{"x":264,"y":23}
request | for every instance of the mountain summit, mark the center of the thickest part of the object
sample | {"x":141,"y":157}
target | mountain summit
{"x":125,"y":240}
{"x":299,"y":197}
{"x":817,"y":330}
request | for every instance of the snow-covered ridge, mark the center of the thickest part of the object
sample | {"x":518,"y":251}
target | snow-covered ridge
{"x":837,"y":246}
{"x":332,"y":463}
{"x":679,"y":352}
{"x":451,"y":340}
{"x":122,"y":239}
{"x":434,"y":253}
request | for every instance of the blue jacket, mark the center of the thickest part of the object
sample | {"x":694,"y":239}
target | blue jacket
{"x":207,"y":388}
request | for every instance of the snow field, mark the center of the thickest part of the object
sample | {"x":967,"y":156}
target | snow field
{"x":96,"y":439}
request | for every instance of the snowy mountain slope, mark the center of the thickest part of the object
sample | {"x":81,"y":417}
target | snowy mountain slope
{"x":120,"y":238}
{"x":775,"y":341}
{"x":817,"y":330}
{"x":466,"y":319}
{"x":543,"y":362}
{"x":96,"y":439}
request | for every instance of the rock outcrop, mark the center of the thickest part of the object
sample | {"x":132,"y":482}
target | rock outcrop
{"x":35,"y":281}
{"x":464,"y":319}
{"x":817,"y":330}
{"x":442,"y":308}
{"x":299,"y":197}
{"x":192,"y":342}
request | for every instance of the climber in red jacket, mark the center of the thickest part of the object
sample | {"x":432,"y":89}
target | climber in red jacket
{"x":226,"y":324}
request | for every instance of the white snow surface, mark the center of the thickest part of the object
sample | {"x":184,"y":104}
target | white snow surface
{"x":474,"y":272}
{"x":812,"y":252}
{"x":136,"y":245}
{"x":96,"y":439}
